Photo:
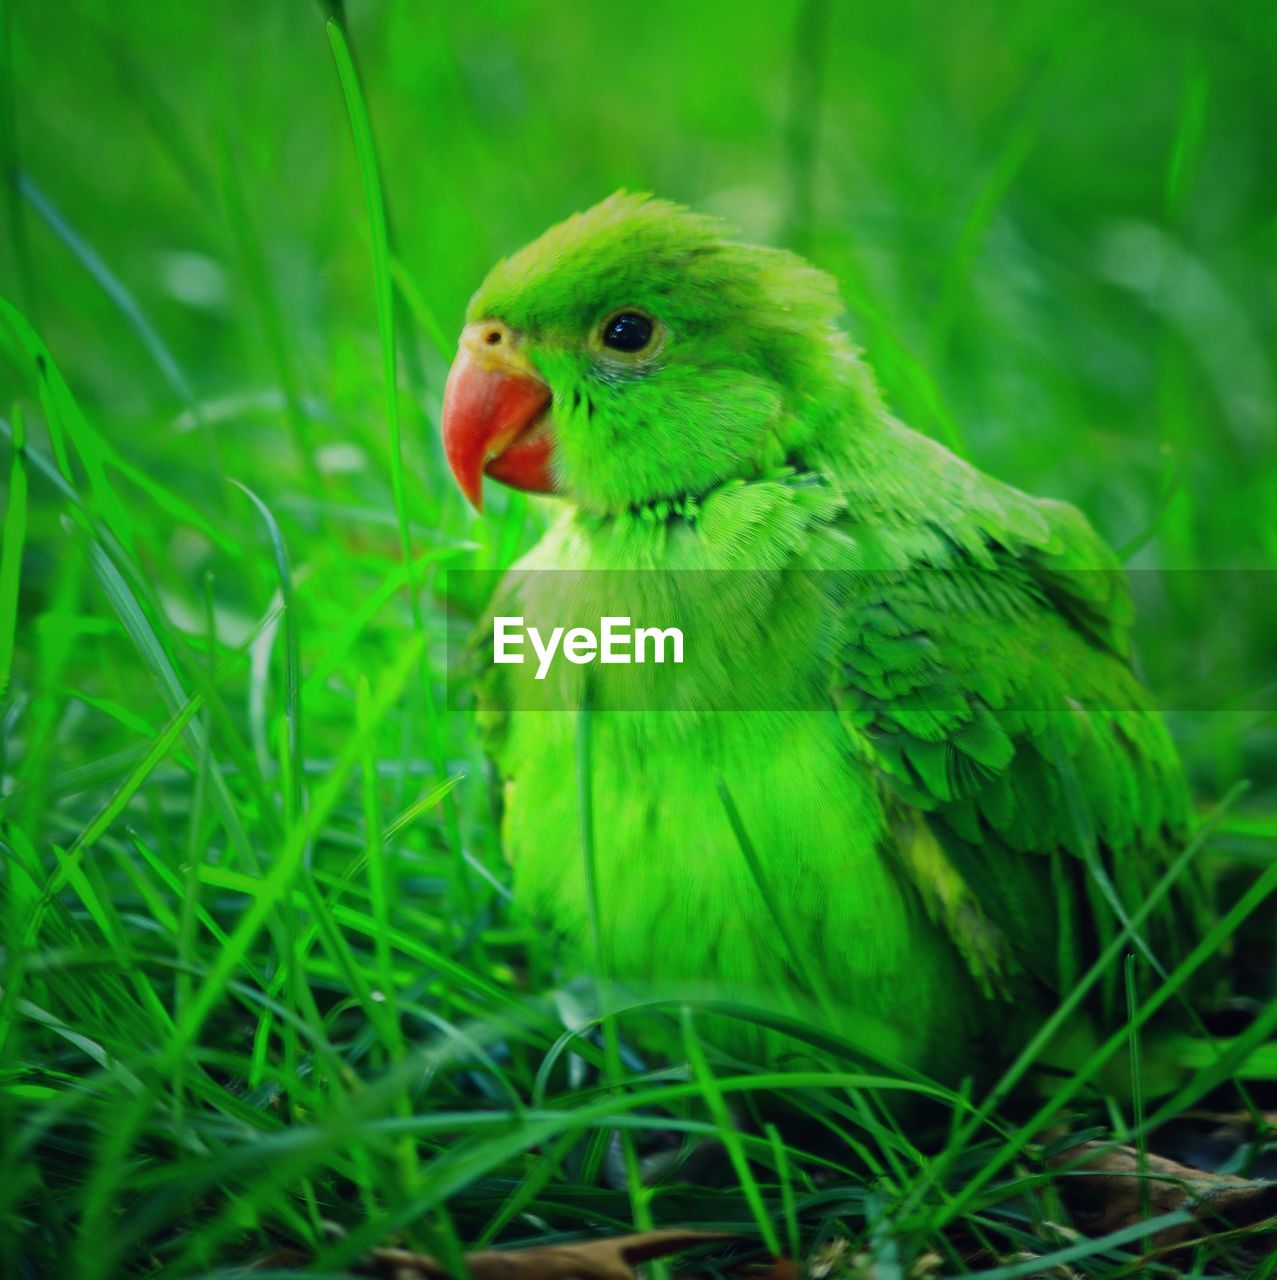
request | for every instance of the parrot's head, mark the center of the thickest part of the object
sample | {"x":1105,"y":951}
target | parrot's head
{"x":637,"y":353}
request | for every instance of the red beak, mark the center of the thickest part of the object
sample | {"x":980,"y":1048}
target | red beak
{"x":494,"y":416}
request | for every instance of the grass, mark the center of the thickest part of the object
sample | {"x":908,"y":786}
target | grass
{"x":262,"y":971}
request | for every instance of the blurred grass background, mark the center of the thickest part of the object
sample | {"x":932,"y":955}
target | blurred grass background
{"x":1056,"y":230}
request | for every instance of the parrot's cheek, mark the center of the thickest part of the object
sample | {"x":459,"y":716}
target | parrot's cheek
{"x":496,"y":419}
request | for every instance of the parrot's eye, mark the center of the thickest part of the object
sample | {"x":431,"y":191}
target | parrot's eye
{"x":627,"y":331}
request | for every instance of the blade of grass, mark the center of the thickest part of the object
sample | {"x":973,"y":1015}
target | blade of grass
{"x":53,"y":475}
{"x":422,"y":804}
{"x":1016,"y":148}
{"x":789,"y":1210}
{"x":808,"y":57}
{"x":11,"y":542}
{"x":96,"y":900}
{"x":420,"y":309}
{"x":1229,"y":1058}
{"x":53,"y":645}
{"x":263,"y":293}
{"x":139,"y":629}
{"x":295,"y":797}
{"x":1137,"y":1083}
{"x":66,"y":422}
{"x":114,"y":807}
{"x":177,"y":888}
{"x":10,"y":161}
{"x":168,"y":501}
{"x":380,"y":890}
{"x":379,"y":886}
{"x":1047,"y":1263}
{"x":1182,"y":165}
{"x":728,"y":1133}
{"x":112,"y":286}
{"x":132,"y":74}
{"x":190,"y":897}
{"x":383,"y":289}
{"x":639,"y":1195}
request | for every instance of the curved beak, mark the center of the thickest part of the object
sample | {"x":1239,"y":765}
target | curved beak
{"x":496,"y":415}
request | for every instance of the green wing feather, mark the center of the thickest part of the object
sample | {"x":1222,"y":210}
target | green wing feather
{"x":988,"y":681}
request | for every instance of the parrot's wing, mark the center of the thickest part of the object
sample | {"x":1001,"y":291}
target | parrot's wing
{"x":988,"y":684}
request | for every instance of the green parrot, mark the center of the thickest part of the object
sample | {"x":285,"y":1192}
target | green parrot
{"x":910,"y":787}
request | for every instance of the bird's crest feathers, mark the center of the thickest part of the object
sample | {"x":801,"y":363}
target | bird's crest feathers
{"x":638,"y":242}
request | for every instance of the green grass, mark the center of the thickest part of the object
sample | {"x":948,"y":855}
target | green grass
{"x":261,"y":968}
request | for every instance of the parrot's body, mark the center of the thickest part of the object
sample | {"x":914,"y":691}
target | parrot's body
{"x":917,"y":787}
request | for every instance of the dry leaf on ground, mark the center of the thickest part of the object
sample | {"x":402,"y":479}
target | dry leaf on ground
{"x":610,"y":1259}
{"x":1109,"y":1189}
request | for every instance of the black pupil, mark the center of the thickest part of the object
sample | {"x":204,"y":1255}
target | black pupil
{"x":628,"y":332}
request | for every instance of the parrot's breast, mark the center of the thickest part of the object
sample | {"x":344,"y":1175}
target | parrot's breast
{"x":802,"y":911}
